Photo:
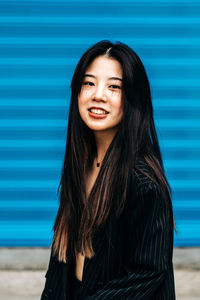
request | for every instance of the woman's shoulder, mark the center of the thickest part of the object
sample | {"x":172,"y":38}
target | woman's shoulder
{"x":143,"y":175}
{"x":144,"y":189}
{"x":143,"y":184}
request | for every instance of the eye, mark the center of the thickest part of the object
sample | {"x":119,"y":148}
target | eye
{"x":90,"y":83}
{"x":115,"y":86}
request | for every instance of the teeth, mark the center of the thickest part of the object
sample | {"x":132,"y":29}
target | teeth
{"x":98,"y":111}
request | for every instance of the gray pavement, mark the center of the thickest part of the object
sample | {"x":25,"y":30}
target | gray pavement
{"x":21,"y":285}
{"x":22,"y":273}
{"x":28,"y":285}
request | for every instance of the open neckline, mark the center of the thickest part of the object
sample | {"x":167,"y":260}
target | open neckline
{"x":78,"y":280}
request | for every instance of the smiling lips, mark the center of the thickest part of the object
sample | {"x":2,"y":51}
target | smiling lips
{"x":97,"y":113}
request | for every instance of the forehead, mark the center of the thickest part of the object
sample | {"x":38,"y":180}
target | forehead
{"x":105,"y":66}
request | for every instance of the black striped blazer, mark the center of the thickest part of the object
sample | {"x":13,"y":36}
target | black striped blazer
{"x":133,"y":253}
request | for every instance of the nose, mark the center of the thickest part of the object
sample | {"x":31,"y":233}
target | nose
{"x":99,"y":93}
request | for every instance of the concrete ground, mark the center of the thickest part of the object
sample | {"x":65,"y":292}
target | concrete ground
{"x":22,"y":273}
{"x":28,"y":285}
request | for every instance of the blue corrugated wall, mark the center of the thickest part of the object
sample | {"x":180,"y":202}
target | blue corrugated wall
{"x":40,"y":44}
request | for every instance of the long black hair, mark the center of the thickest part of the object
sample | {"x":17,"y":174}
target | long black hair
{"x":79,"y":217}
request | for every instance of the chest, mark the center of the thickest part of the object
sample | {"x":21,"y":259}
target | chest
{"x":80,"y":259}
{"x":111,"y":251}
{"x":90,"y":180}
{"x":109,"y":245}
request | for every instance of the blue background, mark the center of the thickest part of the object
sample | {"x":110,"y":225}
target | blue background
{"x":40,"y":45}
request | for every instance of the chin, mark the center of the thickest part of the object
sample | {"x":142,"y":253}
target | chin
{"x":95,"y":128}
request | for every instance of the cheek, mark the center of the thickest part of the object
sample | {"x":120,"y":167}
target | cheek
{"x":82,"y":98}
{"x":80,"y":107}
{"x":85,"y":92}
{"x":119,"y":107}
{"x":81,"y":101}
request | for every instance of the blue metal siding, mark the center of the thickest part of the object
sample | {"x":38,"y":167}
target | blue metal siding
{"x":40,"y":44}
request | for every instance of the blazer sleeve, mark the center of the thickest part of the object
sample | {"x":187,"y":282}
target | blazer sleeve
{"x":149,"y":243}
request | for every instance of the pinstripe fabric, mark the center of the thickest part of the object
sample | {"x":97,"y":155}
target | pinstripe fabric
{"x":133,"y":254}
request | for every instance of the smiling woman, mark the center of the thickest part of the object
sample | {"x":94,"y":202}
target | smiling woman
{"x":113,"y":234}
{"x":100,"y":99}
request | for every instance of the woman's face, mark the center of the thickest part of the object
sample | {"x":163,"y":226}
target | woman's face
{"x":100,"y":98}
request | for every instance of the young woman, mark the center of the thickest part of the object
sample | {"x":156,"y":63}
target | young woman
{"x":113,"y":234}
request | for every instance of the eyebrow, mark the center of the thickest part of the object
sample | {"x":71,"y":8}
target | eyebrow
{"x":110,"y":78}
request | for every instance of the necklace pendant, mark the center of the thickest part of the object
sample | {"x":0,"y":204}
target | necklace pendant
{"x":98,"y":164}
